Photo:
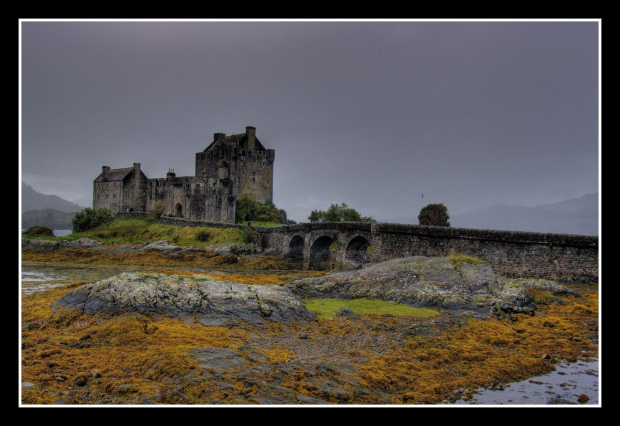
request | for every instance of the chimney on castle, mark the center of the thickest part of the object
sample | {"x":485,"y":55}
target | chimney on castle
{"x":171,"y":173}
{"x":251,"y":132}
{"x":136,"y":167}
{"x":104,"y":169}
{"x":218,"y":136}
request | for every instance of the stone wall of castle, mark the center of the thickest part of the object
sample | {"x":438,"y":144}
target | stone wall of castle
{"x":108,"y":195}
{"x":245,"y":171}
{"x":253,"y":174}
{"x":134,"y":191}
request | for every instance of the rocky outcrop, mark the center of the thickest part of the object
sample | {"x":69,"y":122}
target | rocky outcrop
{"x":427,"y":282}
{"x":199,"y":297}
{"x":40,"y":244}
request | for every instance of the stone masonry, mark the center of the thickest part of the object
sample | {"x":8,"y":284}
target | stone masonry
{"x":228,"y":168}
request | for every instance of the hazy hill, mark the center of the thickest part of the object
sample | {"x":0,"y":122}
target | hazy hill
{"x":54,"y":219}
{"x":573,"y":216}
{"x":33,"y":200}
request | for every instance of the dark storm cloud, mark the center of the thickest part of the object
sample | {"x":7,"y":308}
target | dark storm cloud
{"x":367,"y":113}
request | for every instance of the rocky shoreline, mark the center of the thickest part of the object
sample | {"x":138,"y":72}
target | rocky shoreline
{"x":270,"y":348}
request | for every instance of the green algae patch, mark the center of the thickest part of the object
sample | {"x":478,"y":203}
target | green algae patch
{"x":327,"y":308}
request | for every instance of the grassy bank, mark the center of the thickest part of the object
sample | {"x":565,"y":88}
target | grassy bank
{"x":129,"y":231}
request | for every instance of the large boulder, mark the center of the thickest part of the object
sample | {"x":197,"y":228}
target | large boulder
{"x":423,"y":282}
{"x":199,"y":297}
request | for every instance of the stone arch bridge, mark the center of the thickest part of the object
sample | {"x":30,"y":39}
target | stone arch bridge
{"x":325,"y":245}
{"x":338,"y":245}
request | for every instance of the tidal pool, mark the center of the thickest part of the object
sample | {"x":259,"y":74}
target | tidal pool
{"x":560,"y":387}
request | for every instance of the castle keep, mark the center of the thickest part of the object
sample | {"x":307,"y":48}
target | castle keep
{"x":228,"y":168}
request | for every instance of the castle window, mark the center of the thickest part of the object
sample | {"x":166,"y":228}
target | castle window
{"x":253,"y":176}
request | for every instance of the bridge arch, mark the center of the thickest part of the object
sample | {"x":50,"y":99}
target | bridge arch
{"x":322,"y":253}
{"x":296,"y":247}
{"x":357,"y":250}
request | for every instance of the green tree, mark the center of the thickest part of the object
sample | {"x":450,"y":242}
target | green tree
{"x":90,"y":218}
{"x":338,"y":213}
{"x":248,"y":209}
{"x":435,"y":215}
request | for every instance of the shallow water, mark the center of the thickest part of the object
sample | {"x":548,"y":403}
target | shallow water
{"x":562,"y":386}
{"x":40,"y":276}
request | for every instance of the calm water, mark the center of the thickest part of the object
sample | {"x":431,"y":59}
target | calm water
{"x":562,"y":386}
{"x":39,"y":276}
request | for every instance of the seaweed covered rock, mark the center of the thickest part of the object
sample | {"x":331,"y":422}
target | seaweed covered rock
{"x":422,"y":281}
{"x":199,"y":297}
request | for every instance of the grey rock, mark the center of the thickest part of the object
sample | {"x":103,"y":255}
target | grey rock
{"x":423,"y":282}
{"x":162,"y":247}
{"x":208,"y":301}
{"x":27,"y":385}
{"x":342,"y":312}
{"x":218,"y":358}
{"x":48,"y":245}
{"x":480,"y":279}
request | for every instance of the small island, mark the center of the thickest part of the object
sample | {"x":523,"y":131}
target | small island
{"x":140,"y":312}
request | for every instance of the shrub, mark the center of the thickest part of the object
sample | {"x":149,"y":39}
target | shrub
{"x":203,"y":235}
{"x":91,"y":218}
{"x":158,"y":209}
{"x":248,"y":209}
{"x":250,"y":236}
{"x":39,"y":231}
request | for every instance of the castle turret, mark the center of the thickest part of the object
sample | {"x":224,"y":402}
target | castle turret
{"x":251,"y":133}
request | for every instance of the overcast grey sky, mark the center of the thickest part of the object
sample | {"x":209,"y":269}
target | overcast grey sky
{"x":372,"y":114}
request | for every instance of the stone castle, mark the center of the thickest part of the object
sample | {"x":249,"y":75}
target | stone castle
{"x":228,"y":168}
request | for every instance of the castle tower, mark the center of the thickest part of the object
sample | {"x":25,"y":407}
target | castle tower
{"x":239,"y":164}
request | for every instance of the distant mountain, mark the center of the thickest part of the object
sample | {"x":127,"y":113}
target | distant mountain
{"x":572,"y":216}
{"x":53,"y":219}
{"x":33,"y":200}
